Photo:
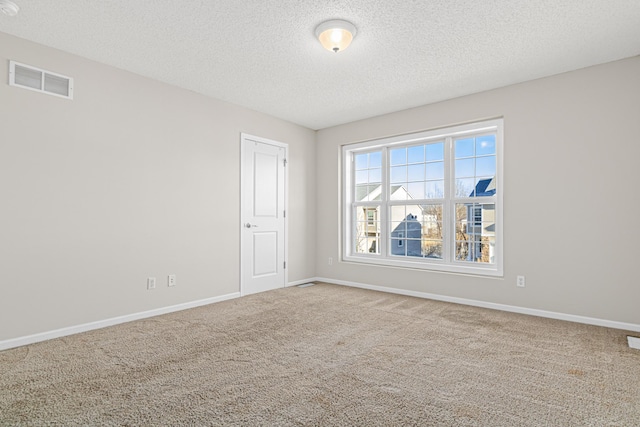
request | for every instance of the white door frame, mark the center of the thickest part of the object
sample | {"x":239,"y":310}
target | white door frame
{"x":244,"y":137}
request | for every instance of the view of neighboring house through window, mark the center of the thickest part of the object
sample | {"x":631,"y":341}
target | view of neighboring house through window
{"x":368,"y":174}
{"x":429,"y":200}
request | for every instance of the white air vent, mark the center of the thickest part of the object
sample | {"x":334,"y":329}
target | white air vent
{"x":32,"y":78}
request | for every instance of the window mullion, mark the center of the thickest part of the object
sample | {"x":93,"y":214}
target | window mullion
{"x":384,"y":205}
{"x":353,"y":215}
{"x":448,"y":220}
{"x":348,"y":198}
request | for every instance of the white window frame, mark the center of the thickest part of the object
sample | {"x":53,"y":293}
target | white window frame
{"x":448,"y":262}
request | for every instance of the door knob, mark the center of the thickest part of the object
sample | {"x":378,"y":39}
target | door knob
{"x":249,"y":225}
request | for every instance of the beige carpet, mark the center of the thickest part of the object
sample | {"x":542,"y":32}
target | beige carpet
{"x":327,"y":355}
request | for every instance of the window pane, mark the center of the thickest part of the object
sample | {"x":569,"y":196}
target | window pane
{"x":416,"y":190}
{"x":373,"y":244}
{"x":413,"y":212}
{"x":367,"y":232}
{"x":375,"y":175}
{"x":485,"y":166}
{"x":412,"y":176}
{"x":432,"y":213}
{"x":375,"y":192}
{"x":462,"y":212}
{"x":368,"y":193}
{"x":398,"y":156}
{"x":464,"y":147}
{"x":487,"y":251}
{"x":475,"y":232}
{"x":432,"y":221}
{"x":432,"y":248}
{"x":465,"y":187}
{"x":375,"y":159}
{"x":465,"y":168}
{"x":399,"y":192}
{"x":435,"y":151}
{"x":434,"y":189}
{"x":416,"y":231}
{"x":416,"y":154}
{"x":414,"y":247}
{"x":360,"y":238}
{"x":368,"y":170}
{"x":398,"y":247}
{"x":485,"y":187}
{"x":485,"y":145}
{"x":476,"y":251}
{"x":399,"y":227}
{"x":404,"y":246}
{"x":368,"y":244}
{"x":361,"y":192}
{"x":462,"y":251}
{"x":481,"y":166}
{"x":398,"y":174}
{"x":432,"y":230}
{"x":416,"y":172}
{"x":435,"y":170}
{"x":361,"y":161}
{"x":398,"y":214}
{"x":401,"y":214}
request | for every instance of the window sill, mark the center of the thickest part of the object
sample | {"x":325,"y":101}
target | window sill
{"x":432,"y":265}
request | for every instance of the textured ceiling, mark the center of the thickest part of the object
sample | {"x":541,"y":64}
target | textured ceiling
{"x":263,"y":54}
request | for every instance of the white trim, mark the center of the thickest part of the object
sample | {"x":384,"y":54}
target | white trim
{"x":494,"y":306}
{"x":299,"y":282}
{"x":44,"y":336}
{"x":71,"y":330}
{"x":484,"y":125}
{"x":433,"y":265}
{"x":448,"y":262}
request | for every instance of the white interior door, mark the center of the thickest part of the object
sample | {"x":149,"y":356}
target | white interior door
{"x":263,"y":240}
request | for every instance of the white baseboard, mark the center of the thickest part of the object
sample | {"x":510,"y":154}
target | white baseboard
{"x":510,"y":308}
{"x":299,"y":282}
{"x":30,"y":339}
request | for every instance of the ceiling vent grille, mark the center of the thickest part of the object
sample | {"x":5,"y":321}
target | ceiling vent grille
{"x":32,"y":78}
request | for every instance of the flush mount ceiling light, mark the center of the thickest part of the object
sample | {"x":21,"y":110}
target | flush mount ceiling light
{"x":336,"y":35}
{"x":9,"y":8}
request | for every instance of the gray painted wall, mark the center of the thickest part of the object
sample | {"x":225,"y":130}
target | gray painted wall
{"x":570,"y":201}
{"x":133,"y":178}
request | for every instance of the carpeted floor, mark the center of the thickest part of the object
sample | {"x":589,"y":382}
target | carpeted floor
{"x":327,"y":355}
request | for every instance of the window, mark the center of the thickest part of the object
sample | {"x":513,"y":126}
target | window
{"x":431,"y":200}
